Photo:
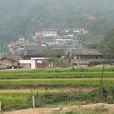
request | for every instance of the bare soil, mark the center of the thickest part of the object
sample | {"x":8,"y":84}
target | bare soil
{"x":109,"y":109}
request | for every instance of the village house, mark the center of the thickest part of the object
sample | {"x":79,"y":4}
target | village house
{"x":77,"y":56}
{"x":9,"y":61}
{"x":36,"y":62}
{"x":86,"y":57}
{"x":41,"y":62}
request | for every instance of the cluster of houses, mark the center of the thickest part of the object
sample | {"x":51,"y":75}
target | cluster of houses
{"x":50,"y":48}
{"x":65,"y":38}
{"x":31,"y":59}
{"x":50,"y":38}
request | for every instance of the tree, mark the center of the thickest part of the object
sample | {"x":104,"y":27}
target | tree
{"x":108,"y":45}
{"x":107,"y":50}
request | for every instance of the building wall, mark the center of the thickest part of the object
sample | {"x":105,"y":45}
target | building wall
{"x":38,"y":63}
{"x":49,"y":33}
{"x":86,"y":59}
{"x":41,"y":65}
{"x":26,"y":66}
{"x":33,"y":64}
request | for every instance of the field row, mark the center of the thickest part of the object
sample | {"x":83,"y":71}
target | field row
{"x":40,"y":91}
{"x":70,"y":69}
{"x":55,"y":75}
{"x":22,"y":101}
{"x":35,"y":83}
{"x":15,"y":100}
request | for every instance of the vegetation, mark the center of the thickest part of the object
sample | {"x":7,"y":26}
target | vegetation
{"x":54,"y":86}
{"x":107,"y":46}
{"x":55,"y":75}
{"x":82,"y":72}
{"x":20,"y":101}
{"x":69,"y":69}
{"x":34,"y":83}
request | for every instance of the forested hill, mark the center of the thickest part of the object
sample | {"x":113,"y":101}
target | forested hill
{"x":21,"y":17}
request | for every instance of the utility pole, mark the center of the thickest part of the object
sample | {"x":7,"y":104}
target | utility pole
{"x":0,"y":50}
{"x":104,"y":59}
{"x":101,"y":82}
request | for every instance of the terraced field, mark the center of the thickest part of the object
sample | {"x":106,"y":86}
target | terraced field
{"x":53,"y":86}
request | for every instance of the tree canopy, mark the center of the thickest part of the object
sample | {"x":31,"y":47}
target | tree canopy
{"x":108,"y":44}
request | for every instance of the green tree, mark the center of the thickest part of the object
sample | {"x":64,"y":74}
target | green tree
{"x":107,"y":50}
{"x":107,"y":46}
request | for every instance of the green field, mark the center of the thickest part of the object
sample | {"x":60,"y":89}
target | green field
{"x":54,"y":86}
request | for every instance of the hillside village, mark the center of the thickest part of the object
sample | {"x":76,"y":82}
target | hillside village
{"x":50,"y":48}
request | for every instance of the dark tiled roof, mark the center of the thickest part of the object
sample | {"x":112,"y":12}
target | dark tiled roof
{"x":36,"y":53}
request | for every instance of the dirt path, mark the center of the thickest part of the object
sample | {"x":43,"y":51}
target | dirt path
{"x":108,"y":107}
{"x":35,"y":111}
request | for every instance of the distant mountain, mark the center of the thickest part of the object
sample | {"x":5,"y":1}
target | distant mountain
{"x":21,"y":17}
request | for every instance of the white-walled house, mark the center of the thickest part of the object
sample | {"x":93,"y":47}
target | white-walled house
{"x":36,"y":62}
{"x":49,"y":33}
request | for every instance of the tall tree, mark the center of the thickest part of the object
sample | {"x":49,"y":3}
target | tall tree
{"x":108,"y":45}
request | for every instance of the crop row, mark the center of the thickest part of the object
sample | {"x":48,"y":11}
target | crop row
{"x":34,"y":83}
{"x":40,"y":75}
{"x":70,"y":69}
{"x":22,"y":101}
{"x":38,"y":90}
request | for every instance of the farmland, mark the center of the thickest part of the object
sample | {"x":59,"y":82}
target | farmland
{"x":54,"y":86}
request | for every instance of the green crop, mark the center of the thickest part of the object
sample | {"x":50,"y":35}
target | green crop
{"x":41,"y":75}
{"x":34,"y":83}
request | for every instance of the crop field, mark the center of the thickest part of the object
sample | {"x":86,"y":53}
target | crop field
{"x":53,"y":86}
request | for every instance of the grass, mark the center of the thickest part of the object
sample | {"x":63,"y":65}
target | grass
{"x":12,"y":100}
{"x":20,"y":101}
{"x":100,"y":110}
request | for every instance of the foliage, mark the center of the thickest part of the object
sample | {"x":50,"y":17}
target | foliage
{"x":53,"y":86}
{"x":14,"y":101}
{"x":41,"y":99}
{"x":50,"y":83}
{"x":108,"y":45}
{"x":82,"y":72}
{"x":55,"y":75}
